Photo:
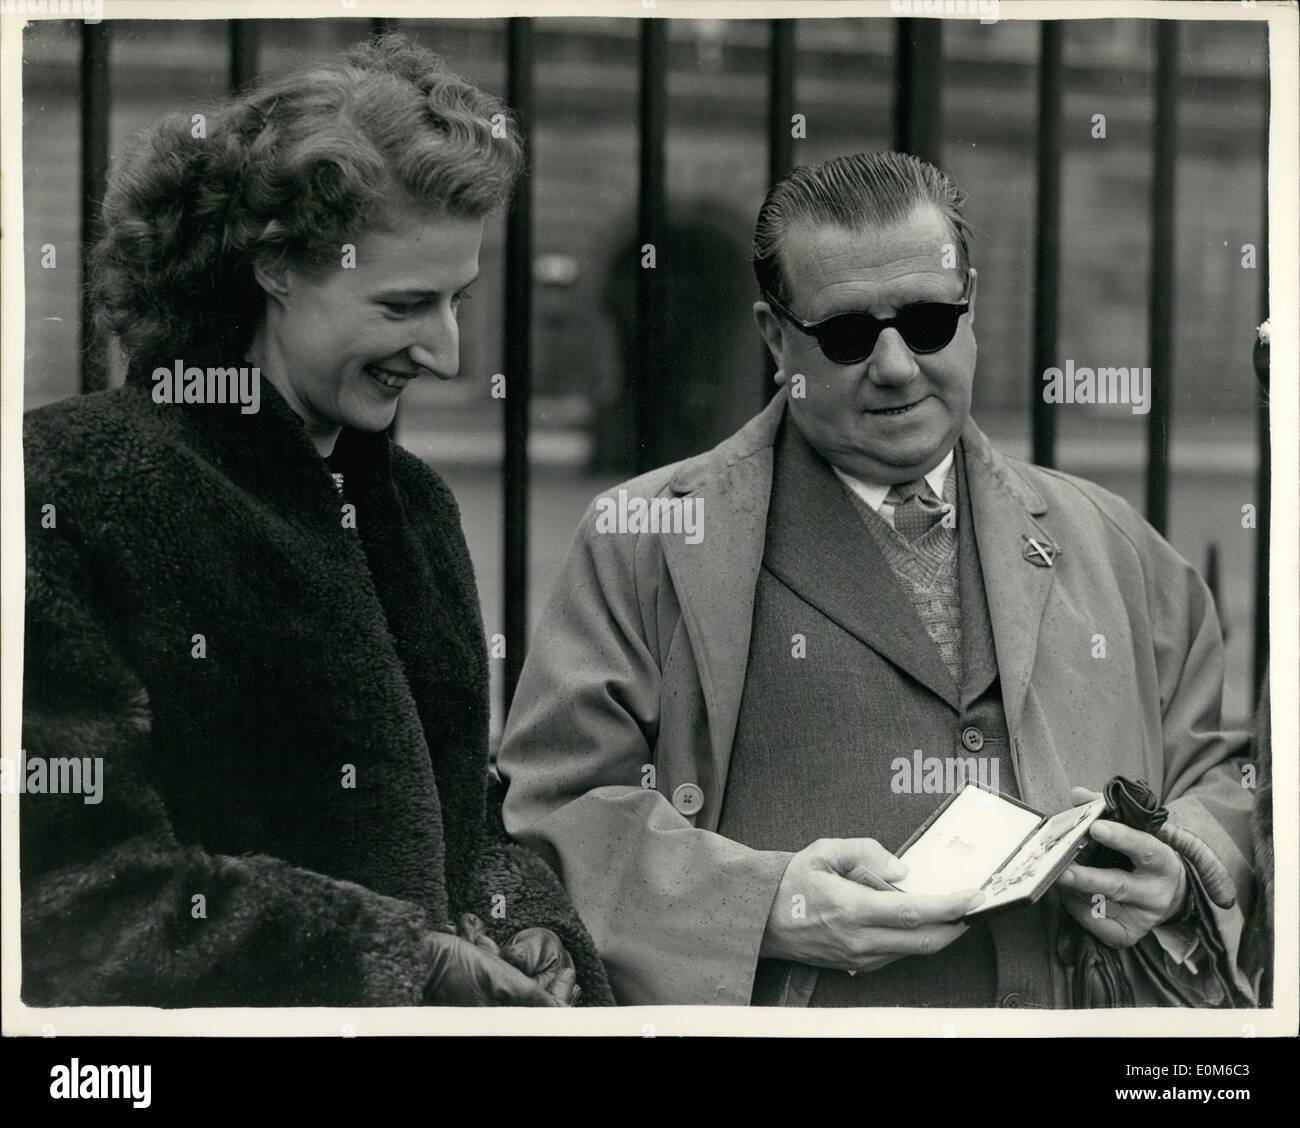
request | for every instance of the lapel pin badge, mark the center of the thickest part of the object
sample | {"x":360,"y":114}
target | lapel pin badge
{"x":1040,"y":553}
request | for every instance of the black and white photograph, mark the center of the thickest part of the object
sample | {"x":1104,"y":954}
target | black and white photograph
{"x":531,"y":508}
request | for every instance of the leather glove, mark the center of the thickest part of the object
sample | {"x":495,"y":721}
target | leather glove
{"x":464,"y":974}
{"x":537,"y":952}
{"x":1133,"y":803}
{"x":1097,"y":974}
{"x":540,"y":955}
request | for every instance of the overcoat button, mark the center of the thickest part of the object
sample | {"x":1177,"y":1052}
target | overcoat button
{"x":688,"y":799}
{"x":1012,"y":1000}
{"x":972,"y":738}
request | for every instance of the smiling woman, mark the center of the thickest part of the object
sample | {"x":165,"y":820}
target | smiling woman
{"x":341,"y":344}
{"x":324,"y":226}
{"x":264,"y":622}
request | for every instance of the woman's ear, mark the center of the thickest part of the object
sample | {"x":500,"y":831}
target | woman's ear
{"x":274,"y":280}
{"x":970,"y":297}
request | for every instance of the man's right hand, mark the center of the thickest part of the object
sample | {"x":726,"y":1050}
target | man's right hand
{"x":827,"y":913}
{"x":464,"y":974}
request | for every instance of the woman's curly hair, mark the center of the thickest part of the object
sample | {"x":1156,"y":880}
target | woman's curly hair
{"x":287,"y":173}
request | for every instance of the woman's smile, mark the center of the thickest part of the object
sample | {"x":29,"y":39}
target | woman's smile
{"x":387,"y":378}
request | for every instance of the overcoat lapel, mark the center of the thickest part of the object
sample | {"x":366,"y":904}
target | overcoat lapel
{"x":714,"y":580}
{"x":1004,"y":508}
{"x":979,"y":661}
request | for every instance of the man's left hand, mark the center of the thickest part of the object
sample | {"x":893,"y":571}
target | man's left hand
{"x":1134,"y":902}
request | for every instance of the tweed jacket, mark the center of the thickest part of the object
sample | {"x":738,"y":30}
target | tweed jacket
{"x":617,"y":745}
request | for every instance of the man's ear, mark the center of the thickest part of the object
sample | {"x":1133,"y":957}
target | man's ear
{"x":974,"y":278}
{"x":274,"y":280}
{"x":773,"y":334}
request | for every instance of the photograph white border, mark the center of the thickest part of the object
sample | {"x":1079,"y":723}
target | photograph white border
{"x":1284,"y":258}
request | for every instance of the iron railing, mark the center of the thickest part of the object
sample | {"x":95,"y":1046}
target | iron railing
{"x":917,"y":129}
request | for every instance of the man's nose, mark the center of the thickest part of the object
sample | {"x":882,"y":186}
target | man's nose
{"x":891,"y":361}
{"x":438,"y":346}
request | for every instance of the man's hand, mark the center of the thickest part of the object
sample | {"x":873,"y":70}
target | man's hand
{"x":829,"y":911}
{"x":1134,"y":903}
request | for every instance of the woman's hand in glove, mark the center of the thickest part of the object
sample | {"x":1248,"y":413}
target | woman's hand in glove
{"x":538,"y":953}
{"x":466,"y":974}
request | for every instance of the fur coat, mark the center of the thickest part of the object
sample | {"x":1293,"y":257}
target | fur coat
{"x":286,"y":686}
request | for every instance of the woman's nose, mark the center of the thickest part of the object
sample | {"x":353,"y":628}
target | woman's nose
{"x":438,"y":348}
{"x":891,"y":362}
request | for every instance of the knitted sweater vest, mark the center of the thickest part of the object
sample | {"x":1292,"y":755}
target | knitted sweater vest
{"x":927,"y":570}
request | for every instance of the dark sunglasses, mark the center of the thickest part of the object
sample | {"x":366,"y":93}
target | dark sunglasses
{"x":849,"y":338}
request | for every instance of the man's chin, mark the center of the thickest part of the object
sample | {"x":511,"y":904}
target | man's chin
{"x":882,"y":454}
{"x":895,"y":462}
{"x":905,"y":452}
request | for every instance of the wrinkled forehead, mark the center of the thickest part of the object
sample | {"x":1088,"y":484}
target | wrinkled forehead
{"x":831,"y":269}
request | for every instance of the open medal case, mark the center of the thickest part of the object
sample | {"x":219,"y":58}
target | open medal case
{"x":979,"y":838}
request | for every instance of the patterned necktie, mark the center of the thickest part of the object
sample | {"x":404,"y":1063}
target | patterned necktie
{"x":916,"y":509}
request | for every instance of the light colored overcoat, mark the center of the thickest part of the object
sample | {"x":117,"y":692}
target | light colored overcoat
{"x":617,"y":745}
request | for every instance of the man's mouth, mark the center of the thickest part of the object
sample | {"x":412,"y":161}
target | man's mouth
{"x":896,"y":410}
{"x":389,"y":379}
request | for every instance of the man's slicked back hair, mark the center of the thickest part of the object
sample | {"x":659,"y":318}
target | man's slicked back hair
{"x":858,"y":192}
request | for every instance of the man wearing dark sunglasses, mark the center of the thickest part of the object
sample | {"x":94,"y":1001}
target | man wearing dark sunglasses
{"x":711,"y":739}
{"x":885,"y":347}
{"x":849,"y":338}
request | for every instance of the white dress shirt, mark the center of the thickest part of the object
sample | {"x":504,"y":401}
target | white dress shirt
{"x":874,"y":494}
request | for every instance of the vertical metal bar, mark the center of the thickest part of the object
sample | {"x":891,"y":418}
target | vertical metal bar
{"x":651,"y":214}
{"x":780,"y":100}
{"x":1161,"y":311}
{"x":1263,"y":485}
{"x":780,"y":139}
{"x":1047,"y":237}
{"x":518,"y":359}
{"x":245,"y":52}
{"x":94,"y":172}
{"x":918,"y":90}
